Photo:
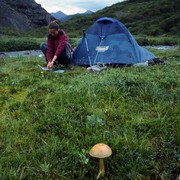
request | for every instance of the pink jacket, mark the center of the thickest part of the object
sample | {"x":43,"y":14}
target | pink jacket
{"x":56,"y":44}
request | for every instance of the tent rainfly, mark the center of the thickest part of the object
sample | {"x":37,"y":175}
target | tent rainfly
{"x":108,"y":41}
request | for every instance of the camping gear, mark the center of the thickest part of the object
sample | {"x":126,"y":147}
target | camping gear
{"x":87,"y":48}
{"x":96,"y":68}
{"x":155,"y":61}
{"x":59,"y":71}
{"x":51,"y":69}
{"x":110,"y":43}
{"x":141,"y":64}
{"x":45,"y":68}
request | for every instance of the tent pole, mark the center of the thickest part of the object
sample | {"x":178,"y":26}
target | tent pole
{"x":97,"y":52}
{"x":87,"y":48}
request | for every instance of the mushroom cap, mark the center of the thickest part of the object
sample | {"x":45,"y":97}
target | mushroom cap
{"x":100,"y":150}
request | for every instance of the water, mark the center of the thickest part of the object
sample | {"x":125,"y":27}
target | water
{"x":163,"y":47}
{"x":39,"y":53}
{"x":22,"y":53}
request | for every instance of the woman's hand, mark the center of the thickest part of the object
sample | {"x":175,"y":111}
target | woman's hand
{"x":50,"y":64}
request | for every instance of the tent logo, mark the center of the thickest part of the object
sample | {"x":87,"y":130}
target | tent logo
{"x":102,"y":48}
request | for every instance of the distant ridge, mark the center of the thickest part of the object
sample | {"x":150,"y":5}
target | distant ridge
{"x":63,"y":17}
{"x":88,"y":12}
{"x":59,"y":15}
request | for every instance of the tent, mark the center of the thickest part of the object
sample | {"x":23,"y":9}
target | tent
{"x":108,"y":41}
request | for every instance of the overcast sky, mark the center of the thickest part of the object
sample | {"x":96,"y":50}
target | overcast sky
{"x":75,"y":6}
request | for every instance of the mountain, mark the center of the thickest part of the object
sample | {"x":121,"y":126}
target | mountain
{"x":23,"y":14}
{"x":59,"y":15}
{"x":88,"y":12}
{"x":150,"y":17}
{"x":63,"y":17}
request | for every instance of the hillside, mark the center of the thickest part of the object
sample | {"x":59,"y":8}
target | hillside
{"x":22,"y":14}
{"x":141,"y":17}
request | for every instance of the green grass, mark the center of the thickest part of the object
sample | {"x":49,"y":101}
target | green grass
{"x":20,"y":43}
{"x":49,"y":121}
{"x":11,"y":43}
{"x":13,"y":40}
{"x":26,"y":43}
{"x":145,"y":40}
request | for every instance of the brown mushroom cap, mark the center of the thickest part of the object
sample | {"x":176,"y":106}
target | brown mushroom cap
{"x":100,"y":150}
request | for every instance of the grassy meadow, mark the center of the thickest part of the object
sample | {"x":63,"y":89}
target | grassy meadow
{"x":19,"y":43}
{"x":13,"y":40}
{"x":49,"y":121}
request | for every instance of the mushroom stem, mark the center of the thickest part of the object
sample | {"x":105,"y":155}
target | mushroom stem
{"x":99,"y":174}
{"x":101,"y":168}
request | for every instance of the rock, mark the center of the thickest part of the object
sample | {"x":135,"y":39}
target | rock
{"x":2,"y":54}
{"x":23,"y":14}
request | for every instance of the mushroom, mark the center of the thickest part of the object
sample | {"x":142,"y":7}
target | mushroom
{"x":100,"y":151}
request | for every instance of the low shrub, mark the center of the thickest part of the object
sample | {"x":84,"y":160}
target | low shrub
{"x":17,"y":44}
{"x":151,"y":40}
{"x":26,"y":43}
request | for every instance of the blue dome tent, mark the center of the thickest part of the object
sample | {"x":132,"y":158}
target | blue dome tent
{"x":108,"y":41}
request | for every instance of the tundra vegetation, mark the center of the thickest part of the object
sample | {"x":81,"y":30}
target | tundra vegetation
{"x":50,"y":121}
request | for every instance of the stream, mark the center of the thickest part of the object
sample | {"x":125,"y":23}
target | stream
{"x":38,"y":53}
{"x":163,"y":47}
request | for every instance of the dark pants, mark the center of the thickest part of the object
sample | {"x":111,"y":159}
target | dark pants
{"x":63,"y":58}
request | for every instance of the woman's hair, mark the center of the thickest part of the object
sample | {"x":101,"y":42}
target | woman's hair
{"x":54,"y":25}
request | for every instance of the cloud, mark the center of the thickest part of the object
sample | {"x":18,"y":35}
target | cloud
{"x":75,"y":6}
